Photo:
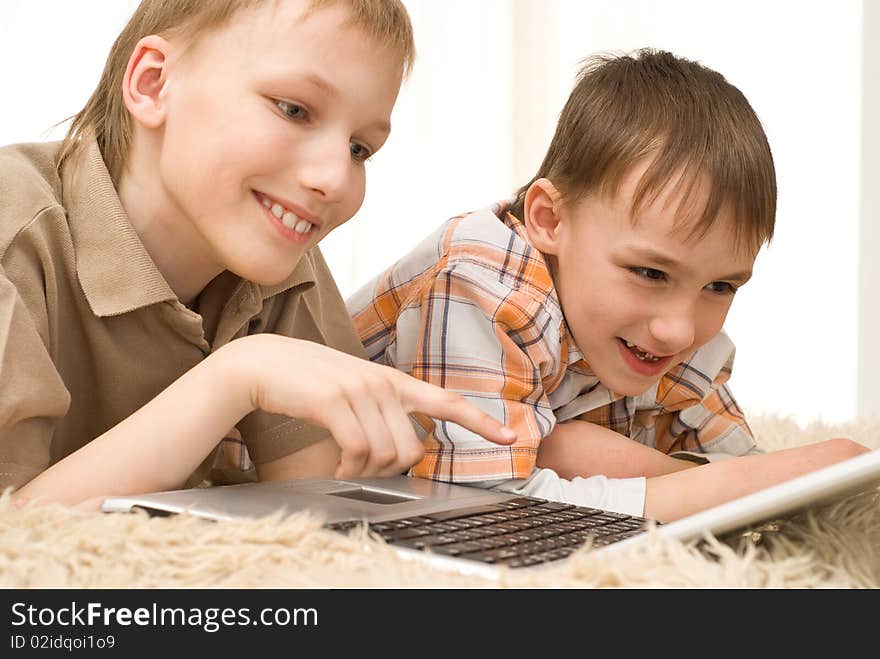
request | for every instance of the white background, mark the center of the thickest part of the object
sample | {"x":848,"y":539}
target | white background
{"x":475,"y":118}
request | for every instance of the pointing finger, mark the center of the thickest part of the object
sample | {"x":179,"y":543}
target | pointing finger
{"x":442,"y":404}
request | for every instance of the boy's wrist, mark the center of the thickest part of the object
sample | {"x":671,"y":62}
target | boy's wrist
{"x":233,"y":369}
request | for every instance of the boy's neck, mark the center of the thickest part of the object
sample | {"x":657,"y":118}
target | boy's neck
{"x":169,"y":238}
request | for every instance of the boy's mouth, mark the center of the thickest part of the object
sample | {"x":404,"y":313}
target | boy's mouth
{"x":643,"y":355}
{"x":288,"y":218}
{"x":642,"y":361}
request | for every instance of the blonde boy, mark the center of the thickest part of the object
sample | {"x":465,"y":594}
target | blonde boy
{"x":160,"y":284}
{"x":587,"y":312}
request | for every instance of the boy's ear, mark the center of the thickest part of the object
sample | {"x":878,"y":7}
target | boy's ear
{"x":542,"y":215}
{"x":145,"y":79}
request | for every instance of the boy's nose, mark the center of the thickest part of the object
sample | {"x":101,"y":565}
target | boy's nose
{"x":673,"y":331}
{"x":326,"y":172}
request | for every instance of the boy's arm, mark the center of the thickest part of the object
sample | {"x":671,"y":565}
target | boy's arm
{"x":492,"y":345}
{"x":364,"y":406}
{"x":317,"y":314}
{"x":580,"y":448}
{"x":673,"y":496}
{"x":156,"y":448}
{"x":317,"y":460}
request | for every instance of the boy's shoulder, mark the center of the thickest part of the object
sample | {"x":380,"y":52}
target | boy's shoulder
{"x":491,"y":240}
{"x":491,"y":227}
{"x":474,"y":241}
{"x":29,"y":185}
{"x":485,"y":249}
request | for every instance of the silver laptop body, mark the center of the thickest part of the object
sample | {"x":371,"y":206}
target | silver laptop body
{"x":395,"y":505}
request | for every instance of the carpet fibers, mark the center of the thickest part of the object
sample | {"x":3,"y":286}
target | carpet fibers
{"x":837,"y":546}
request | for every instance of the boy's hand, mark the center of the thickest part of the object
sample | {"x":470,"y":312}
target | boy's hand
{"x":580,"y":448}
{"x":363,"y":405}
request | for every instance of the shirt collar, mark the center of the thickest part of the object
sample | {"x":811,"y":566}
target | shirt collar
{"x":571,"y":353}
{"x":115,"y":270}
{"x":302,"y":277}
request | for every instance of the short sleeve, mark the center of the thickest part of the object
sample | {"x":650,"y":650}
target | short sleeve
{"x":317,"y":314}
{"x":495,"y":346}
{"x":33,"y":397}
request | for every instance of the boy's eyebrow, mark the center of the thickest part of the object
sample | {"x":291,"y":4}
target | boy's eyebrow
{"x":658,"y":258}
{"x":324,"y":85}
{"x":333,"y":92}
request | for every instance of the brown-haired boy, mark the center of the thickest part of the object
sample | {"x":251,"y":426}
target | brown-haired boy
{"x":160,"y":284}
{"x":587,"y":312}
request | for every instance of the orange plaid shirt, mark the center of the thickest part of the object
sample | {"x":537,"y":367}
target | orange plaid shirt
{"x":473,"y":309}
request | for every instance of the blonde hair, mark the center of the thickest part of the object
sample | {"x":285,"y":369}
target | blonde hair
{"x":105,"y":116}
{"x":686,"y":118}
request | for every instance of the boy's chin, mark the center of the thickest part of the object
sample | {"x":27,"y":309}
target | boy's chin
{"x":629,"y":386}
{"x":635,"y":392}
{"x":265,"y":277}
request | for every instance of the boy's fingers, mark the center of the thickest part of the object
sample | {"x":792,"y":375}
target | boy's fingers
{"x":381,"y":450}
{"x":352,"y":441}
{"x":442,"y":404}
{"x":409,"y":450}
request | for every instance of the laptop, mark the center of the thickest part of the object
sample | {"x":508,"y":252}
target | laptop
{"x":476,"y":531}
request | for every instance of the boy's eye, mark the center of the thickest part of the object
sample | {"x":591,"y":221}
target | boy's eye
{"x":649,"y":273}
{"x":359,"y":152}
{"x":722,"y":288}
{"x":292,"y":110}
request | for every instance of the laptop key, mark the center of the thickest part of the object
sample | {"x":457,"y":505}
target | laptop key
{"x":521,"y":502}
{"x":444,"y":515}
{"x":633,"y":523}
{"x":402,"y":534}
{"x":517,"y":533}
{"x":431,"y":540}
{"x":553,"y":507}
{"x":610,"y":517}
{"x":460,"y":548}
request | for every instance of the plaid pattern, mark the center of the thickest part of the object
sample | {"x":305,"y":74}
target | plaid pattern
{"x":473,"y":309}
{"x":232,"y":463}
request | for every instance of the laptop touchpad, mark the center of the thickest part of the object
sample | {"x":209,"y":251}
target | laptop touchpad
{"x":372,"y":496}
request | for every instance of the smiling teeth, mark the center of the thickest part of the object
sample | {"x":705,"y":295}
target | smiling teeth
{"x":641,"y":354}
{"x":288,"y":219}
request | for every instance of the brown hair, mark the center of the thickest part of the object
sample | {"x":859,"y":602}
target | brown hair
{"x":105,"y":116}
{"x":687,"y":118}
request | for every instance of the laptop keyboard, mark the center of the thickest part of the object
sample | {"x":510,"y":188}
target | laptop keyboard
{"x":519,"y":532}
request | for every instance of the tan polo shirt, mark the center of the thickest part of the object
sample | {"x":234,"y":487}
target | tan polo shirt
{"x":90,"y":331}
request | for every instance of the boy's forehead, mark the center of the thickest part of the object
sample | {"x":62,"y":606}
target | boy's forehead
{"x":317,"y":24}
{"x":677,"y":201}
{"x":277,"y":33}
{"x":279,"y":16}
{"x":669,"y":230}
{"x":252,"y":24}
{"x":265,"y":18}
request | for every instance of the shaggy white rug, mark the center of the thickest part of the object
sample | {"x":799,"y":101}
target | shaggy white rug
{"x":51,"y":546}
